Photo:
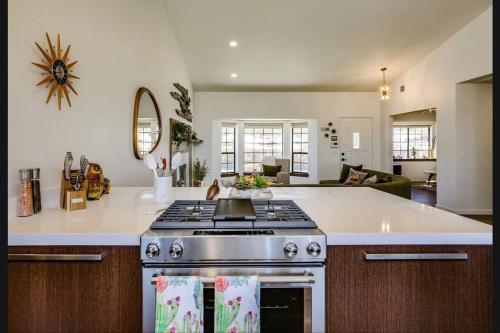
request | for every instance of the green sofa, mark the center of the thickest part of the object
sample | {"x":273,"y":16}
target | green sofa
{"x":399,"y":185}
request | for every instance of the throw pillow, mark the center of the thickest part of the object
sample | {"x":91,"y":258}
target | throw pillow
{"x":271,"y":170}
{"x":355,"y":177}
{"x":370,"y":180}
{"x":386,"y":179}
{"x":344,"y":173}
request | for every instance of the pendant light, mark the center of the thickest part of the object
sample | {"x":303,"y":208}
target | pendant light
{"x":384,"y":89}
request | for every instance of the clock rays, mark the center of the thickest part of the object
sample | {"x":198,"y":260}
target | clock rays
{"x":57,"y":70}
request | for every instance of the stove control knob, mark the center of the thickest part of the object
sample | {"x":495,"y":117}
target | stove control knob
{"x":175,"y":250}
{"x":152,"y":250}
{"x":290,"y":249}
{"x":313,"y":249}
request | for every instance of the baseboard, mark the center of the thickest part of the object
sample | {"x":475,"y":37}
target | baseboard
{"x":466,"y":211}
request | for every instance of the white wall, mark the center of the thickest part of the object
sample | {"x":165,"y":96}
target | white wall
{"x":322,"y":106}
{"x":474,"y":159}
{"x":432,"y":83}
{"x":120,"y":46}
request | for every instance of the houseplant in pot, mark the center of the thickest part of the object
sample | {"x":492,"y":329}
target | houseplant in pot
{"x":254,"y":187}
{"x":200,"y":171}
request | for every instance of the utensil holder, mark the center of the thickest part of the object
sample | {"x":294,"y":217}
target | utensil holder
{"x":67,"y":187}
{"x":163,"y":189}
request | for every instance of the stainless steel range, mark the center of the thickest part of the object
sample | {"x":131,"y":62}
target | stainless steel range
{"x":273,"y":239}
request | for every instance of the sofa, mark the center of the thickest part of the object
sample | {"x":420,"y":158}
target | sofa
{"x":399,"y":185}
{"x":283,"y":176}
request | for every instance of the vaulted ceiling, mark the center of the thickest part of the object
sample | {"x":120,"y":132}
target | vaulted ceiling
{"x":314,"y":45}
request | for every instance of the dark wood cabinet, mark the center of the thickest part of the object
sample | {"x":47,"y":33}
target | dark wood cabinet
{"x":76,"y":296}
{"x":409,"y":295}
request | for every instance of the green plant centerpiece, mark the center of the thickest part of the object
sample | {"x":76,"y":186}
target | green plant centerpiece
{"x":200,"y":171}
{"x":254,"y":187}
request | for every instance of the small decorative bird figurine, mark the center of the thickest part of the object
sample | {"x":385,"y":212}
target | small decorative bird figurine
{"x":213,"y":191}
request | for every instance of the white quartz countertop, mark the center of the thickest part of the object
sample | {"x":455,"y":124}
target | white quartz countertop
{"x":347,"y":215}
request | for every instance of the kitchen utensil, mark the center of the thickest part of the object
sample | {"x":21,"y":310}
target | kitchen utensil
{"x":176,"y":161}
{"x":66,"y":163}
{"x":150,"y":162}
{"x":82,"y":163}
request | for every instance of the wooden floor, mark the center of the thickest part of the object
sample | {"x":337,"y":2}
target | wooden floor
{"x":429,"y":198}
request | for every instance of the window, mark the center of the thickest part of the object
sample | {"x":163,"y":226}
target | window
{"x":228,"y":144}
{"x":300,"y":152}
{"x":261,"y":140}
{"x":411,"y":142}
{"x":147,"y":134}
{"x":355,"y":140}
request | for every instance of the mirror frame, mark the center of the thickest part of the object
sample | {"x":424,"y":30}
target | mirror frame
{"x":138,"y":96}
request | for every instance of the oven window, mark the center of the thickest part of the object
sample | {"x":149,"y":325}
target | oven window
{"x":281,"y":309}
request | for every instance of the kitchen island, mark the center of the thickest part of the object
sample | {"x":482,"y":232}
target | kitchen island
{"x":366,"y":289}
{"x":347,"y":215}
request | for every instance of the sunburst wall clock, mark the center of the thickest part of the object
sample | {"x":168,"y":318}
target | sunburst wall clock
{"x":58,"y":71}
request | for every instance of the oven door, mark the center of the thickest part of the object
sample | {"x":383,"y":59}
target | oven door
{"x":292,"y":298}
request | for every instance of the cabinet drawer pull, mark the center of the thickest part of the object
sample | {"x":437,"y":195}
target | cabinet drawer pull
{"x":459,"y":255}
{"x":56,"y":257}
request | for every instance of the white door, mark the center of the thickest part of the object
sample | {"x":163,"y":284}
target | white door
{"x":356,"y":141}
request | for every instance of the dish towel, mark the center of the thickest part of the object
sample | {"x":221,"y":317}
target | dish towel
{"x":179,"y":304}
{"x":237,"y":304}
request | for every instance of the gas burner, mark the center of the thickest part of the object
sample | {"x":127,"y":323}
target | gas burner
{"x":269,"y":214}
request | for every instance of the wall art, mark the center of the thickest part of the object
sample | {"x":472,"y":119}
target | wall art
{"x":57,"y":70}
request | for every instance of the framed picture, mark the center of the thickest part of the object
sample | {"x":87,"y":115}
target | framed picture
{"x":330,"y":124}
{"x":334,"y":131}
{"x":333,"y":138}
{"x":325,"y":129}
{"x":327,"y":135}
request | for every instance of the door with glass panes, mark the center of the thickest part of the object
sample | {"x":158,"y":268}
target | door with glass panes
{"x":356,"y":141}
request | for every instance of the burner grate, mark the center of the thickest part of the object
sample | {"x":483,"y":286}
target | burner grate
{"x":194,"y":214}
{"x":279,"y":210}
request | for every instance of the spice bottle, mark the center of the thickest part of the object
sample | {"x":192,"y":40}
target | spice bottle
{"x":25,"y":193}
{"x":35,"y":184}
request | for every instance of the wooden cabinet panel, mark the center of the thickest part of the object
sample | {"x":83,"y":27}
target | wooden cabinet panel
{"x":76,"y":296}
{"x":409,"y":295}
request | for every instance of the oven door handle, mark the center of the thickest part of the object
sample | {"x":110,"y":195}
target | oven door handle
{"x":273,"y":279}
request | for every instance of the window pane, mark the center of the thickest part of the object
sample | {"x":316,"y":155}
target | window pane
{"x":355,"y":140}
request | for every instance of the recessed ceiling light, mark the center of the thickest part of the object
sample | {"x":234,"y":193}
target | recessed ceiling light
{"x":234,"y":75}
{"x":233,"y":43}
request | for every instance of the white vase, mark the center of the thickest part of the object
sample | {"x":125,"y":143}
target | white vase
{"x":251,"y":193}
{"x":163,"y":189}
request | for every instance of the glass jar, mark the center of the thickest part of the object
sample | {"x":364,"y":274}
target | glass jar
{"x":25,"y":193}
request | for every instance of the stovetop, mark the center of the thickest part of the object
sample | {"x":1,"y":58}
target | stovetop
{"x":198,"y":214}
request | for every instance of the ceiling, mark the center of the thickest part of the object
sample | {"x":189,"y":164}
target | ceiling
{"x":315,"y":45}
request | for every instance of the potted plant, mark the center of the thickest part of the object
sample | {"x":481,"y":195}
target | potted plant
{"x":182,"y":132}
{"x":255,"y":187}
{"x":200,"y":171}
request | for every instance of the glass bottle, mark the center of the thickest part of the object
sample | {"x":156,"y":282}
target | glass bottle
{"x":25,"y":193}
{"x":35,"y":184}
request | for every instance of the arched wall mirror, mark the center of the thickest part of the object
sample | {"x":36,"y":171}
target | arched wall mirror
{"x":147,"y":123}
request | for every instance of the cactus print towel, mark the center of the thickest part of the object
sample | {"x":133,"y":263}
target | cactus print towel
{"x":237,"y":304}
{"x":179,"y":304}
